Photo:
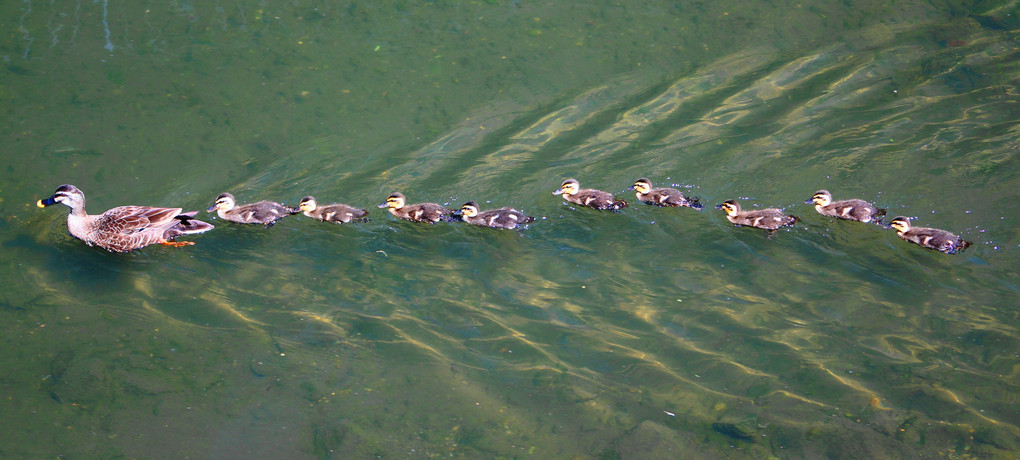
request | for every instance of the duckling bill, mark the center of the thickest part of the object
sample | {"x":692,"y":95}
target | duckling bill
{"x":262,"y":212}
{"x":496,"y":218}
{"x":421,"y":212}
{"x":670,"y":197}
{"x":768,"y":219}
{"x":337,"y":213}
{"x":125,"y":228}
{"x":571,"y":191}
{"x":931,"y":238}
{"x":852,"y":209}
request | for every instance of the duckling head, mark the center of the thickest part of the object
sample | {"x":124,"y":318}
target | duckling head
{"x":820,"y":198}
{"x":568,"y":187}
{"x":67,"y":195}
{"x":469,"y":209}
{"x":224,"y":202}
{"x":307,"y":204}
{"x":641,"y":185}
{"x":395,"y":201}
{"x":731,"y":207}
{"x":901,"y":224}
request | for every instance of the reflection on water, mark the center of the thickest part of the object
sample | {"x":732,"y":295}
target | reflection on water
{"x":636,"y":334}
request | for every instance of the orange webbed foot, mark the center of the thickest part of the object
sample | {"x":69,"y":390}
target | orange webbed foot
{"x":177,"y":244}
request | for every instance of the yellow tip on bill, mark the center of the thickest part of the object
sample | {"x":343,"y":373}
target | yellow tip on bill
{"x":39,"y":204}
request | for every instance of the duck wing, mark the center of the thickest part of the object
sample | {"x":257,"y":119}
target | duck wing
{"x":131,"y":227}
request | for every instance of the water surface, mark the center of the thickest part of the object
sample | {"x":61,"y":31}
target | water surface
{"x":641,"y":334}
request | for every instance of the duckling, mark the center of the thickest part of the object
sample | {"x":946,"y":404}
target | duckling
{"x":337,"y":213}
{"x":571,"y":191}
{"x":931,"y":238}
{"x":263,"y":212}
{"x":662,"y":196}
{"x":769,"y":218}
{"x":421,"y":212}
{"x":853,"y":209}
{"x":496,"y":218}
{"x":125,"y":228}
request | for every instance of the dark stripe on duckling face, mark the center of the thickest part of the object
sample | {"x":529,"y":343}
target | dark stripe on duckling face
{"x":641,"y":186}
{"x":469,"y":209}
{"x":730,"y":207}
{"x":395,"y":201}
{"x":821,"y":198}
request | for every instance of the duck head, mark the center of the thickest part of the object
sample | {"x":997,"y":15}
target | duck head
{"x":394,"y":201}
{"x":469,"y":209}
{"x":307,"y":204}
{"x":224,"y":202}
{"x":67,"y":195}
{"x":901,"y":224}
{"x":568,"y":187}
{"x":731,"y":207}
{"x":820,"y":198}
{"x":641,"y":185}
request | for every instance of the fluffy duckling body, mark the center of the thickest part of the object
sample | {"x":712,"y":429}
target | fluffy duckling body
{"x":124,"y":228}
{"x":662,"y":196}
{"x":571,"y":191}
{"x":931,"y":238}
{"x":421,"y":212}
{"x":497,"y":218}
{"x":768,"y":219}
{"x":262,"y":212}
{"x":337,"y":213}
{"x":852,"y":209}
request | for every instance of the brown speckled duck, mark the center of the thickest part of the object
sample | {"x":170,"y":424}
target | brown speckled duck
{"x":497,"y":218}
{"x":571,"y":191}
{"x":768,"y":219}
{"x":662,"y":196}
{"x":125,"y":228}
{"x":852,"y":209}
{"x":337,"y":213}
{"x":262,"y":212}
{"x":421,"y":212}
{"x":931,"y":238}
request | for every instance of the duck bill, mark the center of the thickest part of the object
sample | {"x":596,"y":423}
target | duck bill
{"x":809,"y":201}
{"x":211,"y":208}
{"x":558,"y":191}
{"x":47,"y":202}
{"x":718,"y":206}
{"x":383,"y":205}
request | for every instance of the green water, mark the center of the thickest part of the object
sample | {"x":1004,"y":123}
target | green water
{"x":649,"y":333}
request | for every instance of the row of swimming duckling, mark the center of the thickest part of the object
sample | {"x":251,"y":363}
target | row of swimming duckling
{"x":127,"y":228}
